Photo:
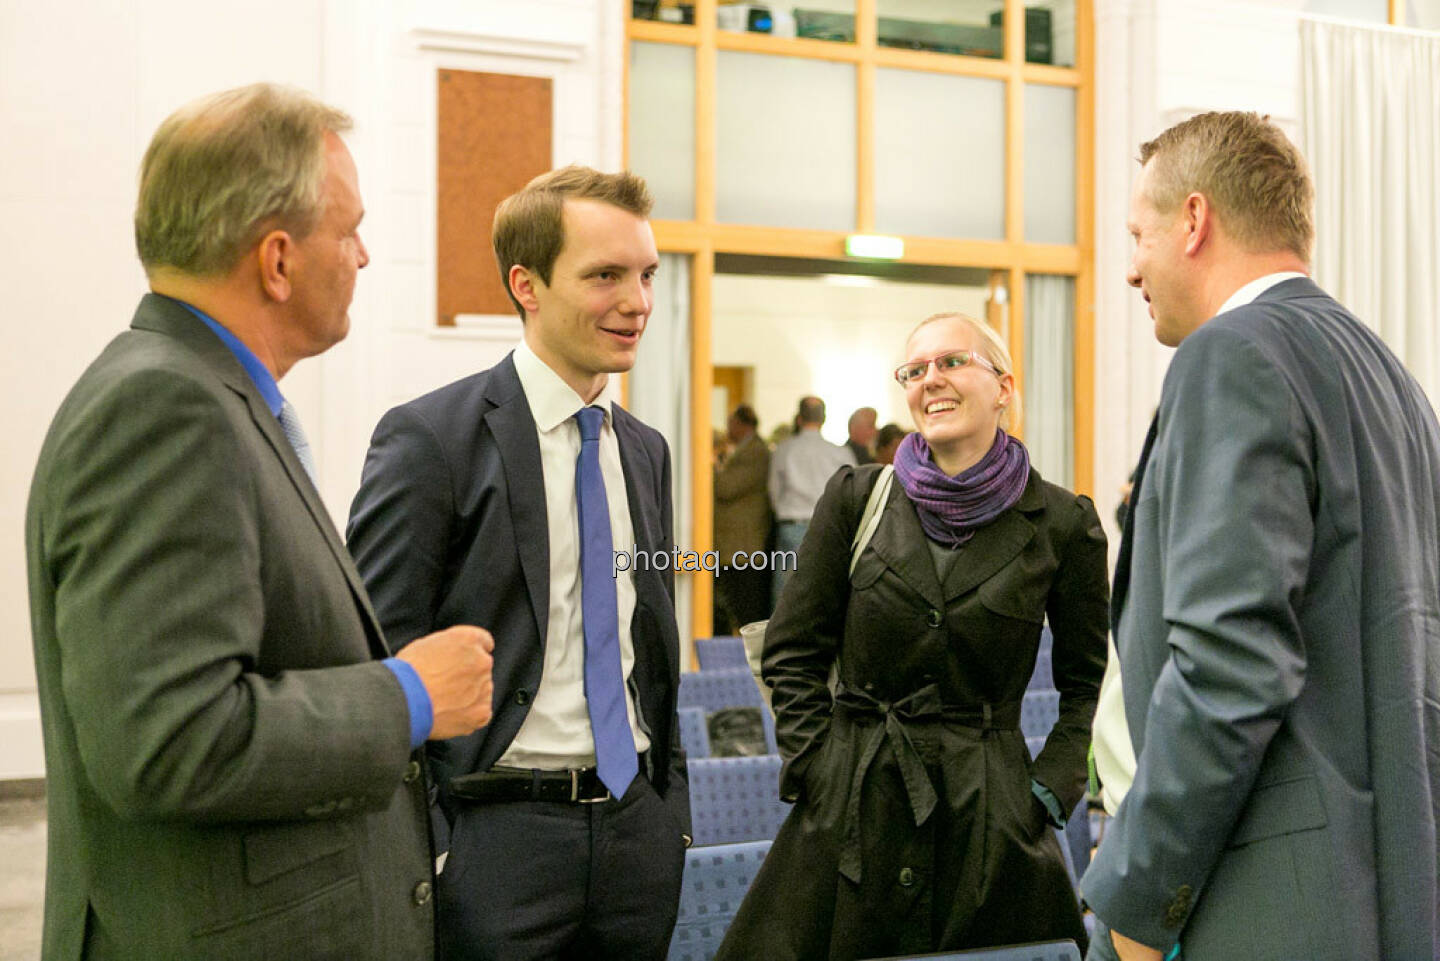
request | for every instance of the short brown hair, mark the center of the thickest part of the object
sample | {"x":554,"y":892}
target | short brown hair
{"x":529,"y":227}
{"x":1247,"y":168}
{"x":223,"y":169}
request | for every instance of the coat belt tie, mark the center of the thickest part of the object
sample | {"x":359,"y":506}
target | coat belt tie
{"x":922,"y":705}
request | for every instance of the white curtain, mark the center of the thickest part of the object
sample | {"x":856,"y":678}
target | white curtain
{"x":1049,"y":398}
{"x":660,"y":396}
{"x":1371,"y":131}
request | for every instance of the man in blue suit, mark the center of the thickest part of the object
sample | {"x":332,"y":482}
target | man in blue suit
{"x":504,"y":496}
{"x":1277,"y":598}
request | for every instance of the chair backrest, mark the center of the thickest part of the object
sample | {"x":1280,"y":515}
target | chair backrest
{"x":694,"y":737}
{"x":712,"y":690}
{"x":729,"y":687}
{"x":715,"y":881}
{"x":1036,"y":951}
{"x":1041,"y":678}
{"x":1038,"y":712}
{"x":721,"y":653}
{"x":735,"y":799}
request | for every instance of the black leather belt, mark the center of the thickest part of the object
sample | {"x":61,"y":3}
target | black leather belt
{"x":499,"y":784}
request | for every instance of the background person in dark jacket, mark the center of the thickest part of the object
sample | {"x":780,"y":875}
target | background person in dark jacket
{"x":920,"y":822}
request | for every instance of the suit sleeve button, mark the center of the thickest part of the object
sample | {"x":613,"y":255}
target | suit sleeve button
{"x":412,"y":772}
{"x":422,"y":894}
{"x":935,"y":618}
{"x":522,"y":697}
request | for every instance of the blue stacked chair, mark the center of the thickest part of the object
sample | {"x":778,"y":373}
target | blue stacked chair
{"x":1039,"y":712}
{"x":1035,"y":951}
{"x":730,"y":687}
{"x":715,"y":881}
{"x":694,"y":736}
{"x":1041,"y":678}
{"x":721,"y":653}
{"x":735,"y":799}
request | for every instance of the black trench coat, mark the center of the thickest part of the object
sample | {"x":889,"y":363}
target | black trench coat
{"x":914,"y":827}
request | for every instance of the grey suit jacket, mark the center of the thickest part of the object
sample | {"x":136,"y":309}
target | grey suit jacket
{"x":229,"y":770}
{"x":1280,"y":644}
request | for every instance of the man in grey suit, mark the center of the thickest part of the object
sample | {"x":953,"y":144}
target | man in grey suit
{"x":231,"y":753}
{"x":1277,"y":599}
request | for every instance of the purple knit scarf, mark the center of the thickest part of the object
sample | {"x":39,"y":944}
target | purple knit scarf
{"x":950,"y":508}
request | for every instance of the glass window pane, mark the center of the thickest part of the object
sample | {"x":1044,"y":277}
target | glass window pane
{"x":666,"y":11}
{"x":973,"y":28}
{"x":785,"y":142}
{"x":662,"y":125}
{"x":1050,"y":33}
{"x":1049,"y":164}
{"x":817,"y":20}
{"x":939,"y":172}
{"x":1372,"y":11}
{"x":1049,"y":397}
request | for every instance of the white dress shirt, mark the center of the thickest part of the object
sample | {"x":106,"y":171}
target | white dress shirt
{"x":1114,"y":751}
{"x":556,"y":733}
{"x":799,"y":470}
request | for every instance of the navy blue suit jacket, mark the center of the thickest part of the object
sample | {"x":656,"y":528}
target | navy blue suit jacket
{"x":449,"y":527}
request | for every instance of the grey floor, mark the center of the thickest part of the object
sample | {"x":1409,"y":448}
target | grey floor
{"x":22,"y":877}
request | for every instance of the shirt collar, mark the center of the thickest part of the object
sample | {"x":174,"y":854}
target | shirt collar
{"x":259,"y":373}
{"x":1255,"y":288}
{"x":551,"y":400}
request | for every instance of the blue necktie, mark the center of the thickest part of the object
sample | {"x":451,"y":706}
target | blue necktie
{"x":615,"y":758}
{"x":290,"y":424}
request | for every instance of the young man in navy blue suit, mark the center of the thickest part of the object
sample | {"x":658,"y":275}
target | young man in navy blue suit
{"x":494,"y":501}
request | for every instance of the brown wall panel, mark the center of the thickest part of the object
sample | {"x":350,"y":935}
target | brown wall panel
{"x":495,"y":136}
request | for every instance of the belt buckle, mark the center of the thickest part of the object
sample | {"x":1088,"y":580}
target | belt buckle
{"x":575,"y":797}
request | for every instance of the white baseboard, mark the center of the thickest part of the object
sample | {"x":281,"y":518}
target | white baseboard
{"x":22,"y":748}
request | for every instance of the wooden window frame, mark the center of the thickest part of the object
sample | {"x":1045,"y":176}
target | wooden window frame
{"x":703,"y":237}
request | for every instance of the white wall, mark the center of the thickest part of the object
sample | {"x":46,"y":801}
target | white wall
{"x":1156,"y":64}
{"x":83,"y":85}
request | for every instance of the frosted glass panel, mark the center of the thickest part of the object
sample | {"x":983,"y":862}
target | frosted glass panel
{"x":1049,"y":164}
{"x":939,"y":155}
{"x":662,"y":125}
{"x":1049,"y":399}
{"x":1373,"y":11}
{"x":785,"y":142}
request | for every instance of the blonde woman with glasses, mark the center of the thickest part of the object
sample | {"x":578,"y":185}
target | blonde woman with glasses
{"x":921,"y":823}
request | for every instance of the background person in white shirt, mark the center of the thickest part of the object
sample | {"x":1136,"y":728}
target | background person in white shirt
{"x":799,"y":470}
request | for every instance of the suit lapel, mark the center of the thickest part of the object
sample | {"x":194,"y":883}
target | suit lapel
{"x":639,"y":491}
{"x":518,"y":446}
{"x":1127,"y":538}
{"x":165,"y":316}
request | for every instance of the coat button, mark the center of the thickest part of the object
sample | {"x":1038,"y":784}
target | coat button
{"x":907,"y":877}
{"x":412,"y":772}
{"x":422,"y":894}
{"x":522,"y":697}
{"x":935,"y":618}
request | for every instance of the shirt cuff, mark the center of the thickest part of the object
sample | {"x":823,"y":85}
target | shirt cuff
{"x":422,"y":714}
{"x":1051,"y":802}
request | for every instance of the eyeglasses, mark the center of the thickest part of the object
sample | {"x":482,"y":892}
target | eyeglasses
{"x":945,"y":364}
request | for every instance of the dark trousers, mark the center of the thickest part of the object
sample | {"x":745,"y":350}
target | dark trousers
{"x":532,"y":880}
{"x":740,"y":597}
